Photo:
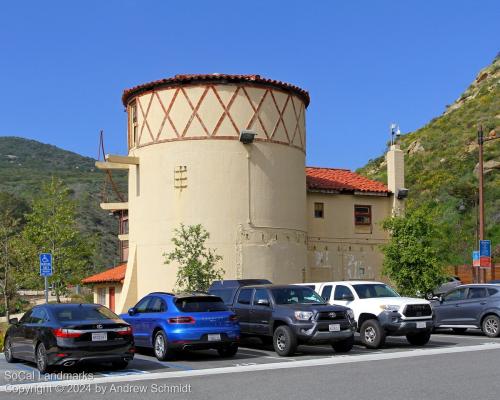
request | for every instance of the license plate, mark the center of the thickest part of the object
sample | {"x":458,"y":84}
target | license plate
{"x":421,"y":325}
{"x":214,"y":337}
{"x":99,"y":337}
{"x":334,"y":327}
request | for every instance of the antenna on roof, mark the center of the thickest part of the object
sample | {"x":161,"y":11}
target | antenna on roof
{"x":394,"y":128}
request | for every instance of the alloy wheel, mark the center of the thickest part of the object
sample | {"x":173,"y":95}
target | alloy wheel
{"x":159,"y":346}
{"x":8,"y":350}
{"x":281,"y":341}
{"x":40,"y":358}
{"x":370,"y":334}
{"x":491,"y":326}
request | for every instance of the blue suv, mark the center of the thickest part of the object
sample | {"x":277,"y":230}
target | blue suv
{"x":170,"y":322}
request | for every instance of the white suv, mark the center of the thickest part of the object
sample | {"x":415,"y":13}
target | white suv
{"x":380,"y":311}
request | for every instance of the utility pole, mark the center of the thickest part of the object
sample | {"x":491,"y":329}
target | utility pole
{"x":480,"y":141}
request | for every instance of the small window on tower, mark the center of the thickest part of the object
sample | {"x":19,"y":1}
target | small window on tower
{"x":362,"y":215}
{"x":133,"y":126}
{"x":319,"y":210}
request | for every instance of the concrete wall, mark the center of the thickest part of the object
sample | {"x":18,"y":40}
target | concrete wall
{"x":337,"y":248}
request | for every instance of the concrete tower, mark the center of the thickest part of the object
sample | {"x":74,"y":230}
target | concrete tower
{"x":188,"y":165}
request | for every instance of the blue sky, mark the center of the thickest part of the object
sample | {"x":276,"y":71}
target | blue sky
{"x":64,"y":64}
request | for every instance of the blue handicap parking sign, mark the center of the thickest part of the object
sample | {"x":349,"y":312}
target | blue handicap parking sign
{"x":45,"y":264}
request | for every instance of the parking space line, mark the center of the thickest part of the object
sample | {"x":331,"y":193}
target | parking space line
{"x":255,"y":354}
{"x":177,"y":366}
{"x":124,"y":372}
{"x":462,"y":337}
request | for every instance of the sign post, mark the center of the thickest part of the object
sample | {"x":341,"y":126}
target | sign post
{"x":46,"y":271}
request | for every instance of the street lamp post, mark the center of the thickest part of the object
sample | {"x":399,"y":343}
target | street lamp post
{"x":480,"y":141}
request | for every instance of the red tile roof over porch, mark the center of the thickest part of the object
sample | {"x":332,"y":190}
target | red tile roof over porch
{"x":341,"y":180}
{"x":116,"y":274}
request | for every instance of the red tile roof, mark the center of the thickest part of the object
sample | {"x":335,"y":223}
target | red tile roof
{"x":217,"y":78}
{"x":116,"y":274}
{"x":341,"y":180}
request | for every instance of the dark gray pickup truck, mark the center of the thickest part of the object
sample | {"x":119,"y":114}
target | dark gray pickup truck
{"x":289,"y":315}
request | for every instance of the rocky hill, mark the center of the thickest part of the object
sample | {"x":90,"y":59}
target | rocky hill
{"x":26,"y":164}
{"x":441,"y":165}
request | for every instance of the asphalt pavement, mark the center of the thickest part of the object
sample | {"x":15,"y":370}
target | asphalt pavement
{"x":451,"y":366}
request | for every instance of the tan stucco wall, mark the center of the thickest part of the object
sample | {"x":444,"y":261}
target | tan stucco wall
{"x":396,"y":177}
{"x":337,"y":249}
{"x":129,"y":287}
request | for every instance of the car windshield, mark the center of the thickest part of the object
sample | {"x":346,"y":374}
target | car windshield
{"x":296,"y":295}
{"x":83,"y":313}
{"x":370,"y":290}
{"x":200,"y":304}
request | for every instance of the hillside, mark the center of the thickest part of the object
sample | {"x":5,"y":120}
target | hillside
{"x":26,"y":164}
{"x":441,"y":165}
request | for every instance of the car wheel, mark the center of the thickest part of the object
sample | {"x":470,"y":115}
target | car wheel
{"x":41,"y":358}
{"x":228,"y":351}
{"x":344,"y":346}
{"x":372,"y":334}
{"x":418,"y":339}
{"x":429,"y":296}
{"x":491,"y":326}
{"x":161,"y":347}
{"x":122,"y":364}
{"x":284,"y":341}
{"x":7,"y":350}
{"x":459,"y":330}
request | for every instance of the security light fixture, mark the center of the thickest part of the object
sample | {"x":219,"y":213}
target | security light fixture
{"x":247,"y":137}
{"x":402,"y":193}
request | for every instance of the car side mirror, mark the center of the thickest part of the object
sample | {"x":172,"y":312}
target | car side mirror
{"x":13,"y":321}
{"x":132,"y":311}
{"x":263,"y":302}
{"x":347,"y":297}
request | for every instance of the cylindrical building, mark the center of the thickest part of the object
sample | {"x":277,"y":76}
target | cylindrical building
{"x":193,"y":168}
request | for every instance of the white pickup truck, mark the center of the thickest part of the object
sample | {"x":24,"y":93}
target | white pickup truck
{"x":380,"y":311}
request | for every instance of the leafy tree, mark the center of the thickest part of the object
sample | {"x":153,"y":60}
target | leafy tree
{"x":8,"y":227}
{"x":197,"y":264}
{"x":412,"y":259}
{"x":51,"y":227}
{"x":12,"y":211}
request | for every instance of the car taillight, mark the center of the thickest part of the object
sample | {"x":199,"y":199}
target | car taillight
{"x":181,"y":320}
{"x":233,"y":318}
{"x":126,"y":330}
{"x":67,"y":333}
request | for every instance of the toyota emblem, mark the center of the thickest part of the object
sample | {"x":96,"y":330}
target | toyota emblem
{"x":332,"y":315}
{"x":99,"y":326}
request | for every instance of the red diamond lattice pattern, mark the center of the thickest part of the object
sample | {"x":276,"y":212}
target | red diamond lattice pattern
{"x":221,"y":111}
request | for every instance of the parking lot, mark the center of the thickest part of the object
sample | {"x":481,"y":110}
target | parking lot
{"x":251,"y":353}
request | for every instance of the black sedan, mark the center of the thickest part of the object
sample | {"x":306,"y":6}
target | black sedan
{"x":67,"y":334}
